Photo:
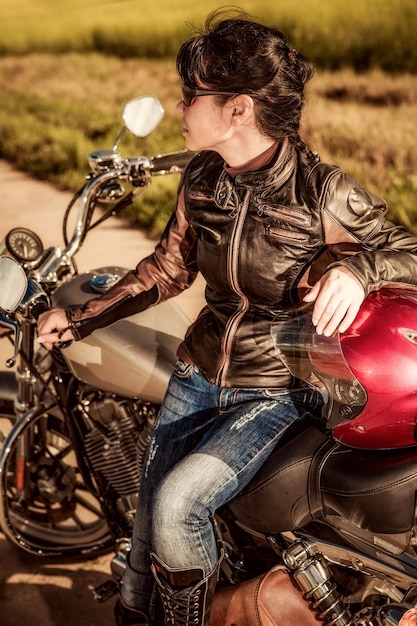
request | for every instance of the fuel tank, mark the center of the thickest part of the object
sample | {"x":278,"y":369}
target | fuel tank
{"x":135,"y":356}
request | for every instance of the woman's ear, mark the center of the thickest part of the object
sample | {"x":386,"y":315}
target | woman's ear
{"x":242,"y":109}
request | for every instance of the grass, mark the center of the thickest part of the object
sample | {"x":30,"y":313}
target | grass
{"x":66,"y":71}
{"x":367,"y":124}
{"x":56,"y":109}
{"x":361,"y":33}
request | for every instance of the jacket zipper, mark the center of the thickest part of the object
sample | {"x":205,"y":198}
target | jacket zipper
{"x":232,"y":271}
{"x":294,"y":217}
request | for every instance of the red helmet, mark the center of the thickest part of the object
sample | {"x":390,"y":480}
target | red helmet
{"x":373,"y":366}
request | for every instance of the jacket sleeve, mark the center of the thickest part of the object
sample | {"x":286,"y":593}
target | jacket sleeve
{"x":170,"y":269}
{"x":384,"y":254}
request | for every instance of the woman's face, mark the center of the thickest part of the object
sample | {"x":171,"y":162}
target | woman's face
{"x":205,"y":124}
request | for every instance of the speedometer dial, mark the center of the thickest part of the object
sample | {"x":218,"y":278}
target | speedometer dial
{"x":24,"y":245}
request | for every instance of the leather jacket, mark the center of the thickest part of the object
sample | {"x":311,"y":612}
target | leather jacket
{"x":260,"y":240}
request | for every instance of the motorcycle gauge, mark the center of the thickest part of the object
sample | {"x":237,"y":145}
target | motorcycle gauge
{"x":24,"y":245}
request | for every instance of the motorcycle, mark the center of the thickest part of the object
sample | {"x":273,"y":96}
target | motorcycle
{"x":334,"y":503}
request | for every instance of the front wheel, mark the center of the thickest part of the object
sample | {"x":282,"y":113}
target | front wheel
{"x":46,"y":509}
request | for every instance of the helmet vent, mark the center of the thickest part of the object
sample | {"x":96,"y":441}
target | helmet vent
{"x":410,"y":335}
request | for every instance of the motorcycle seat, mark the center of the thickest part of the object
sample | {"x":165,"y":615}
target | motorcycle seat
{"x":374,"y":489}
{"x":276,"y":499}
{"x":312,"y":477}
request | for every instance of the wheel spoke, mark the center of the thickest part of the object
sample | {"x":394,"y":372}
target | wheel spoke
{"x":57,"y":510}
{"x":90,"y":506}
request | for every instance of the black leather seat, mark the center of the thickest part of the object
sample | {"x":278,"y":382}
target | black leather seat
{"x":312,"y":477}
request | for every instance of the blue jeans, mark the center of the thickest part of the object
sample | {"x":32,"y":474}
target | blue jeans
{"x":207,"y":444}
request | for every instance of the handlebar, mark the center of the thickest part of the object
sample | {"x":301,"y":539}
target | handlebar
{"x":108,"y":166}
{"x":173,"y":163}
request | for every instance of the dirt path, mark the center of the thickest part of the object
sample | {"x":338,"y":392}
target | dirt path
{"x":33,"y":591}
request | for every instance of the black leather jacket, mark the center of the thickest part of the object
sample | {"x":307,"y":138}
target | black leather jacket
{"x":260,"y":240}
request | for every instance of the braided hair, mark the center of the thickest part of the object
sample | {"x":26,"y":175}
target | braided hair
{"x":234,"y":53}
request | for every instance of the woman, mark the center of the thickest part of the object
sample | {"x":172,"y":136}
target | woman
{"x":268,"y":225}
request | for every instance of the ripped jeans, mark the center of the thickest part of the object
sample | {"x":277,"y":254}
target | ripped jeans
{"x":207,"y":444}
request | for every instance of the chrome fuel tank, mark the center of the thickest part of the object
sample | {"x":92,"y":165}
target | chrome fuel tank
{"x":135,"y":356}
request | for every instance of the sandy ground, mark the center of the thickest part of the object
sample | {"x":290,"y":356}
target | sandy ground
{"x":32,"y":591}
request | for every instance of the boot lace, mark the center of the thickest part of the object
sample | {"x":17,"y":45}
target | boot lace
{"x":182,"y":609}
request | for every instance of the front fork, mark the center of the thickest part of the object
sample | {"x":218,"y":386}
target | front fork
{"x":24,"y":376}
{"x":24,"y":399}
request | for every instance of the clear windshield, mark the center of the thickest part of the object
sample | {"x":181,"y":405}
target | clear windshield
{"x":319,"y":361}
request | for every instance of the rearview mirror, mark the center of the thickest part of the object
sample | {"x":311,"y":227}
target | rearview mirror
{"x":141,"y":115}
{"x":13,"y":284}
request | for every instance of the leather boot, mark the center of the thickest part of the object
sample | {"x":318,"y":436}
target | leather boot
{"x":186,"y":595}
{"x":129,"y":617}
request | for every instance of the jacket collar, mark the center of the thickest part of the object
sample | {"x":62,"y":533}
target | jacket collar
{"x":261,"y":181}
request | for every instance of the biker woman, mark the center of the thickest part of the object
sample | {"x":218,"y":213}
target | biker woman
{"x":267,"y":224}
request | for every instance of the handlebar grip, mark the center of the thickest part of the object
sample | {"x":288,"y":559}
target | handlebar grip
{"x":39,"y":307}
{"x":61,"y":345}
{"x":171,"y":163}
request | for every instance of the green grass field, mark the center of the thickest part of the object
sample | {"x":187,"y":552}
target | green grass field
{"x":361,"y":33}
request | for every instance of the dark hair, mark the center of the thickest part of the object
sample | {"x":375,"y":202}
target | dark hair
{"x":236,"y":54}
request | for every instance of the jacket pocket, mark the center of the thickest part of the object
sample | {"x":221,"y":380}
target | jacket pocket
{"x":282,"y":234}
{"x":291,"y":215}
{"x":281,"y":223}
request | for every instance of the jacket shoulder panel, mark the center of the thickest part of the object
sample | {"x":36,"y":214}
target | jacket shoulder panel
{"x":346,"y":205}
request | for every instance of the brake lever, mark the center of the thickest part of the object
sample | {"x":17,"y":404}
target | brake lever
{"x":61,"y":345}
{"x":17,"y":338}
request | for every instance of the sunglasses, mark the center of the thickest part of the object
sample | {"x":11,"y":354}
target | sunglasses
{"x":189,"y":94}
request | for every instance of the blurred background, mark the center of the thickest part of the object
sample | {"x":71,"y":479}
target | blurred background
{"x":66,"y":70}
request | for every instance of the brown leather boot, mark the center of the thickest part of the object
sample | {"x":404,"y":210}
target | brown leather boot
{"x":186,"y":595}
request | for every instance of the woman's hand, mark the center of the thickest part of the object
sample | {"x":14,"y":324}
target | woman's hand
{"x":53,"y":328}
{"x":338,"y":296}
